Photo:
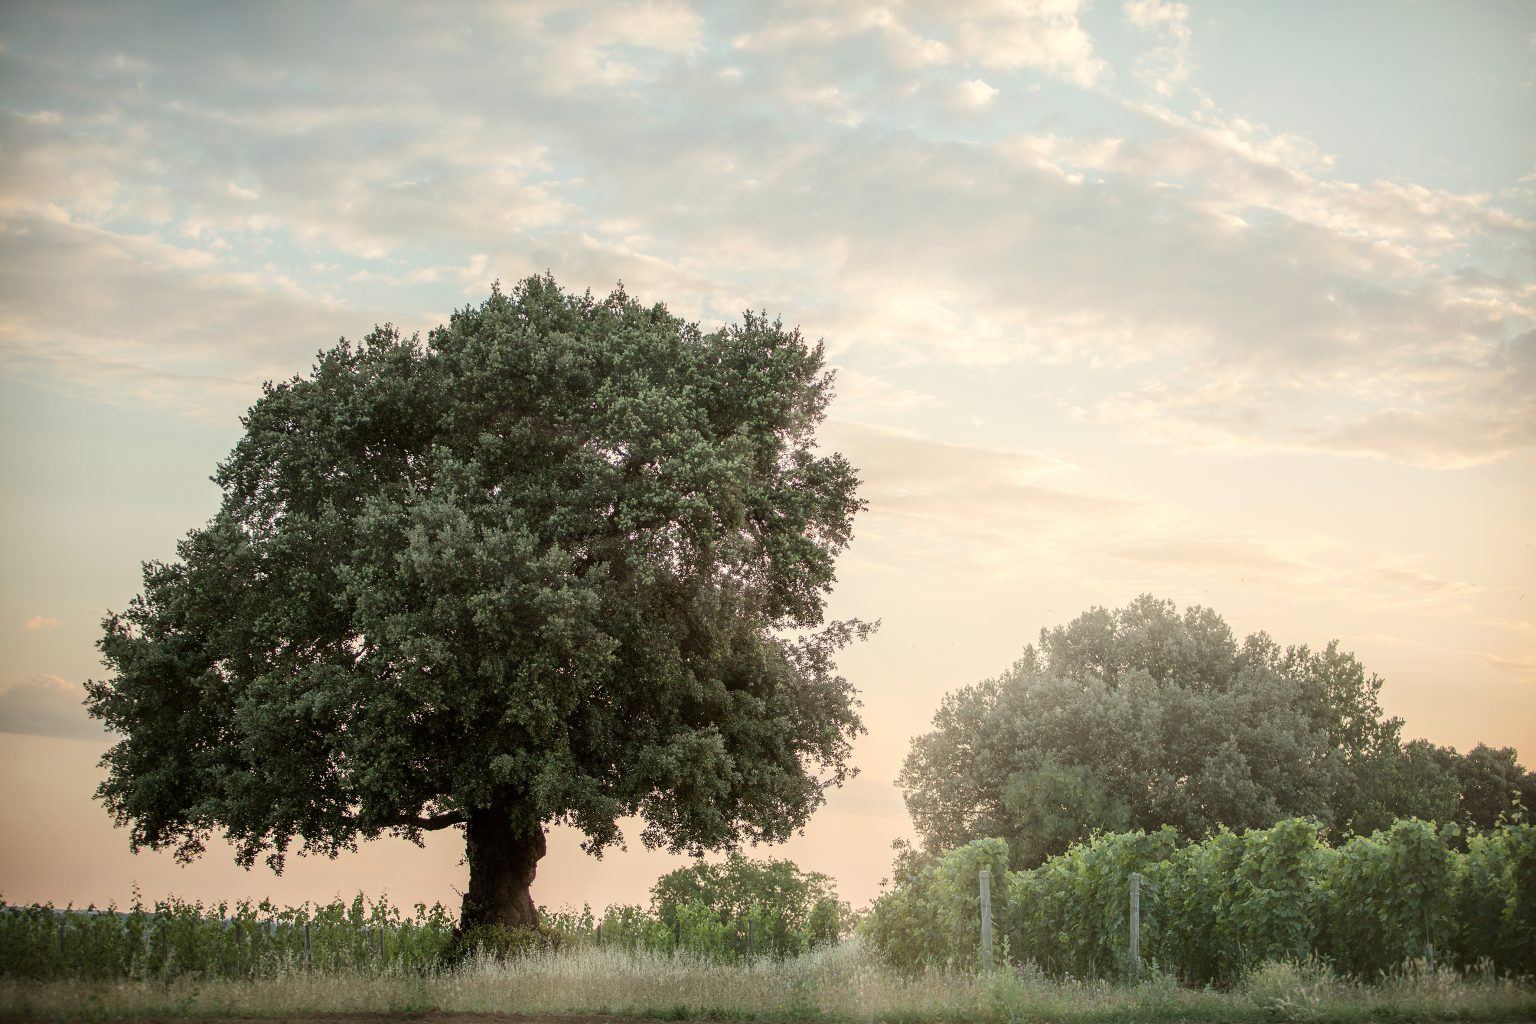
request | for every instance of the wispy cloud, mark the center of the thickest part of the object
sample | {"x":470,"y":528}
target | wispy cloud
{"x":1269,"y":304}
{"x":1307,"y":567}
{"x":1166,"y":66}
{"x":47,"y":705}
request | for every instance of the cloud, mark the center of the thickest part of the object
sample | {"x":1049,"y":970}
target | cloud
{"x":1166,"y":66}
{"x":1450,"y":411}
{"x":1002,"y":35}
{"x":975,"y":508}
{"x":1521,"y":666}
{"x":984,"y":511}
{"x":863,"y":394}
{"x":41,"y":624}
{"x":569,"y":47}
{"x":47,"y":705}
{"x":940,"y":509}
{"x":903,"y":46}
{"x":157,"y":324}
{"x":1006,"y":35}
{"x":232,"y":215}
{"x":974,"y":94}
{"x":1303,"y":566}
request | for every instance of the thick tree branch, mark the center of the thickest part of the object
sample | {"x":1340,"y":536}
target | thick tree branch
{"x":431,"y":824}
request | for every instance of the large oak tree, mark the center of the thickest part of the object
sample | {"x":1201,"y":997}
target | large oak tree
{"x":565,"y":561}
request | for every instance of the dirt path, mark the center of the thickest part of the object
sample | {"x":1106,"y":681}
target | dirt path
{"x":417,"y":1017}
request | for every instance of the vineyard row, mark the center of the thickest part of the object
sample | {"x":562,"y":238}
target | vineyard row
{"x":1213,"y":910}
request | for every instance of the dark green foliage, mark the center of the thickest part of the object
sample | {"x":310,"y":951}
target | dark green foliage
{"x":175,"y":938}
{"x":769,"y":908}
{"x":1398,"y":781}
{"x":1388,"y":896}
{"x":930,"y":916}
{"x":1493,"y":900}
{"x":1219,"y":908}
{"x":541,"y":567}
{"x":700,"y":930}
{"x":1069,"y":915}
{"x":1143,"y":717}
{"x":791,"y":909}
{"x":829,"y":918}
{"x":1491,"y":784}
{"x":1213,"y":911}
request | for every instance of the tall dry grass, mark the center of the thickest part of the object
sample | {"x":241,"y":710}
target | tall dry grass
{"x":842,"y":983}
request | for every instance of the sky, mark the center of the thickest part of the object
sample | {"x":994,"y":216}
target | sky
{"x":1231,"y":303}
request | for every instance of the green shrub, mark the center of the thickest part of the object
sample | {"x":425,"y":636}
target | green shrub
{"x":1493,"y":896}
{"x":1069,"y":915}
{"x":1387,"y":897}
{"x":174,"y":938}
{"x":1213,"y":912}
{"x":1221,"y":907}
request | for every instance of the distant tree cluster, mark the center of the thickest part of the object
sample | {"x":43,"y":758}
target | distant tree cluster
{"x":797,"y":902}
{"x":1141,"y":717}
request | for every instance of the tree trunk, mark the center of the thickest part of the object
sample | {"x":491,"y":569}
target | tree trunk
{"x":503,"y":850}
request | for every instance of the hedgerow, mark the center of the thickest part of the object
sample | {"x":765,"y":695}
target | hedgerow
{"x":1212,"y":911}
{"x":175,"y":938}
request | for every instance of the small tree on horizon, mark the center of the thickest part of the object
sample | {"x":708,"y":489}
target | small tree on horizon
{"x":566,"y":561}
{"x":802,"y":903}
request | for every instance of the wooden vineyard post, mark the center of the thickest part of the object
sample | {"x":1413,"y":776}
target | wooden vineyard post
{"x":308,"y":960}
{"x":1135,"y":926}
{"x":984,"y":876}
{"x":1429,"y":942}
{"x":751,"y":938}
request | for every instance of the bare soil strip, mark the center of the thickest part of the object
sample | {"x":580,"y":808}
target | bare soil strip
{"x":402,"y":1017}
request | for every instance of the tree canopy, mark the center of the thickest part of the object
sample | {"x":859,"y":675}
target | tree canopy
{"x":1142,"y":716}
{"x":564,"y":561}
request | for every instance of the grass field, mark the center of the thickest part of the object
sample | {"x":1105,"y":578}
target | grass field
{"x":842,"y":983}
